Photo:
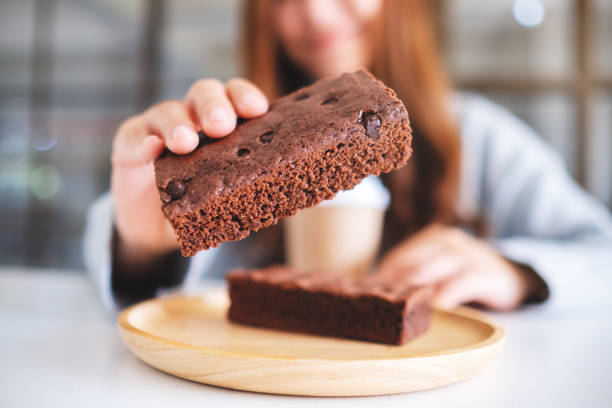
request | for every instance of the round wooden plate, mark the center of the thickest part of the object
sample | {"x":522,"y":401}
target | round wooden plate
{"x":190,"y":337}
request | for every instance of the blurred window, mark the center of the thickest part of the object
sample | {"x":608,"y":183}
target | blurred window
{"x":550,"y":62}
{"x":72,"y":70}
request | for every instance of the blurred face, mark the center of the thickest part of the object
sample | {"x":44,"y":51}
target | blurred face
{"x":326,"y":37}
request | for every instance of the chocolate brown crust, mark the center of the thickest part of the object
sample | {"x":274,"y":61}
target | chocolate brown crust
{"x":311,"y":144}
{"x":329,"y":304}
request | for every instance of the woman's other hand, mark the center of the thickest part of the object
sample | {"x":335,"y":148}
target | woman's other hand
{"x":461,"y":268}
{"x":209,"y":106}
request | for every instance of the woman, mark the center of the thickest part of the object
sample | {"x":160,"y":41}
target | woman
{"x":484,"y":211}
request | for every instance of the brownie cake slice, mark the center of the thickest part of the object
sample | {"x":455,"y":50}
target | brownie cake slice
{"x":311,"y":144}
{"x":373,"y":308}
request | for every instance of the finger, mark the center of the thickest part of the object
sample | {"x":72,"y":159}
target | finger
{"x":410,"y":254}
{"x":170,"y":120}
{"x":421,"y":247}
{"x":136,"y":184}
{"x":438,"y":268}
{"x":208,"y":102}
{"x":248,"y":100}
{"x":151,"y":147}
{"x":486,"y":288}
{"x":137,"y":151}
{"x":127,"y":148}
{"x":462,"y":288}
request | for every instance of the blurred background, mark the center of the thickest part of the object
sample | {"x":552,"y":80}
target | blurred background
{"x":71,"y":70}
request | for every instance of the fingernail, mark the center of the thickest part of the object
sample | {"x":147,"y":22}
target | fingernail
{"x":149,"y":139}
{"x":251,"y":100}
{"x":184,"y":132}
{"x":218,"y":115}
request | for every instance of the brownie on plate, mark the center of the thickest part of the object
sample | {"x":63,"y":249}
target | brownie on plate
{"x":312,"y":143}
{"x":373,"y":308}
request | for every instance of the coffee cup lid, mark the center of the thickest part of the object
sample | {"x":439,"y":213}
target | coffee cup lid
{"x":369,"y":193}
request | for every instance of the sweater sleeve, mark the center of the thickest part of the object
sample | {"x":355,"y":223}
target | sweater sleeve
{"x":537,"y":215}
{"x":170,"y":272}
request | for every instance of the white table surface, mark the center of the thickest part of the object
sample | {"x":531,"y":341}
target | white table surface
{"x":60,"y":348}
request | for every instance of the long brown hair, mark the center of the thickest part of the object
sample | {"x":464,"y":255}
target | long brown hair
{"x":405,"y":59}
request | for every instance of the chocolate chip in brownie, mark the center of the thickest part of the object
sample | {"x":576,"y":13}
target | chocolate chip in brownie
{"x":243,"y":151}
{"x":330,"y":100}
{"x":371,"y":122}
{"x":173,"y":191}
{"x":267,"y":137}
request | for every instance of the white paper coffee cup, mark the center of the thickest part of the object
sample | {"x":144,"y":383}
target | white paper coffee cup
{"x":339,"y":235}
